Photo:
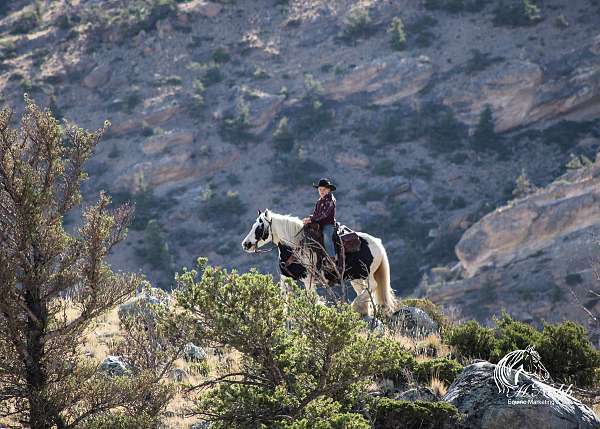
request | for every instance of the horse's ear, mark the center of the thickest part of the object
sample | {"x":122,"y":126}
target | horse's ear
{"x":267,"y":214}
{"x":258,"y":212}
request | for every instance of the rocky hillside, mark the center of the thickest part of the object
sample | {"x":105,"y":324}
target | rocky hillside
{"x":425,"y":114}
{"x":536,"y":256}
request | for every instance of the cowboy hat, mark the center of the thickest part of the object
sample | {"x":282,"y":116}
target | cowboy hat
{"x":325,"y":182}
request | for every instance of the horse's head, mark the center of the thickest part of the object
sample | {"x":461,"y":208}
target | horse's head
{"x":260,"y":233}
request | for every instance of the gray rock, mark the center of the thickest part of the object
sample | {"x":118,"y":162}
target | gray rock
{"x":178,"y":375}
{"x":414,"y":322}
{"x":419,"y":393}
{"x":141,"y":305}
{"x":474,"y":392}
{"x":115,"y":365}
{"x":193,"y":353}
{"x":201,"y":425}
{"x":374,"y":324}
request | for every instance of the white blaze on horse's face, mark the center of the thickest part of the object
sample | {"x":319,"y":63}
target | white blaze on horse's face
{"x":260,"y":233}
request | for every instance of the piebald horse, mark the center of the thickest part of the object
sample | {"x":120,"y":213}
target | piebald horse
{"x":368,"y":269}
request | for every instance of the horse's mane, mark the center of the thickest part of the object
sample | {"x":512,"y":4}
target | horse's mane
{"x":288,"y":227}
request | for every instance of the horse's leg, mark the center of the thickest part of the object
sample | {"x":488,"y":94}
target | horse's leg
{"x":286,"y":293}
{"x":309,"y":283}
{"x":361,"y":303}
{"x":369,"y":291}
{"x":284,"y":286}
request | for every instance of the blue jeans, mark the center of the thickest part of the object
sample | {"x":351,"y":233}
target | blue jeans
{"x":327,"y":233}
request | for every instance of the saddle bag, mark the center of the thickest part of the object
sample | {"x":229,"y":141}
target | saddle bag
{"x":350,"y":241}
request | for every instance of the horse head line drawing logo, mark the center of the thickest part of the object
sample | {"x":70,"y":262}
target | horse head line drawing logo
{"x":510,"y":369}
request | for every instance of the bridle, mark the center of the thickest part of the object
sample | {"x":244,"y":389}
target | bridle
{"x":264,"y":237}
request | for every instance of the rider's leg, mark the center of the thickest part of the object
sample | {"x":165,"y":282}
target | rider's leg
{"x":327,"y":238}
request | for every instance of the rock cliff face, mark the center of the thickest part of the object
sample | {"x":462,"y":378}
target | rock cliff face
{"x":545,"y":219}
{"x":534,"y":257}
{"x":522,"y":92}
{"x":382,"y":82}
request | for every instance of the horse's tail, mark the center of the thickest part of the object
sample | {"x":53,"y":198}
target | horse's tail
{"x":384,"y":295}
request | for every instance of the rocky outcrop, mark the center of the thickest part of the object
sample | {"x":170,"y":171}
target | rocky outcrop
{"x":521,"y":92}
{"x":152,"y":119}
{"x":98,"y":77}
{"x":530,"y":257}
{"x":476,"y":395}
{"x":171,"y":169}
{"x":509,"y":88}
{"x":165,"y":142}
{"x":383,"y":81}
{"x":201,"y":7}
{"x":538,"y":221}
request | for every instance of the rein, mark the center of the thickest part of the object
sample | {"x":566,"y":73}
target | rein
{"x":263,"y":250}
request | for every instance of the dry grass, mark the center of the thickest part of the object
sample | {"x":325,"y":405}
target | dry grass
{"x":105,"y":331}
{"x":432,"y":346}
{"x":425,"y":348}
{"x":438,"y":387}
{"x":406,"y":342}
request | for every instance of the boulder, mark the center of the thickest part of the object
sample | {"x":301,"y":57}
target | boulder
{"x":262,"y":107}
{"x":178,"y":375}
{"x":115,"y":365}
{"x":193,"y":353}
{"x":413,"y":322}
{"x":474,"y":393}
{"x":419,"y":393}
{"x":383,"y":81}
{"x":374,"y":324}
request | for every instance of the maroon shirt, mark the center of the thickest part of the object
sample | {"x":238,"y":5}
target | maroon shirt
{"x":324,"y":213}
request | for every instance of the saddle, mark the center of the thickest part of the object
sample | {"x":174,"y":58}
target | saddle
{"x":345,"y":241}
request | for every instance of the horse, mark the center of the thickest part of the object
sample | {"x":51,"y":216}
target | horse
{"x":510,"y":367}
{"x":368,"y":269}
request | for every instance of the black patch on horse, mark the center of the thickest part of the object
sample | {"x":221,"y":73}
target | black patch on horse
{"x":358,"y":263}
{"x":293,"y":270}
{"x":260,"y":233}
